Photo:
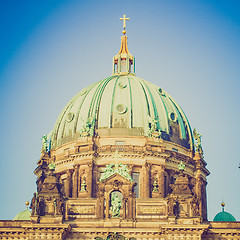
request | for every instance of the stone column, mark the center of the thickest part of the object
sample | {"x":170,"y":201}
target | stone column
{"x":100,"y":207}
{"x":75,"y":182}
{"x":204,"y":200}
{"x":89,"y":180}
{"x":124,"y":202}
{"x":68,"y":184}
{"x":146,"y":180}
{"x":107,"y":207}
{"x":130,"y":207}
{"x":94,"y":181}
{"x":198,"y":191}
{"x":198,"y":186}
{"x":161,"y":182}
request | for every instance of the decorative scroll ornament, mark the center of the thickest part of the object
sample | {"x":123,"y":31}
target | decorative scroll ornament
{"x":116,"y":204}
{"x":88,"y":127}
{"x":52,"y":166}
{"x":198,"y":141}
{"x":112,"y":168}
{"x":181,"y":166}
{"x":153,"y":130}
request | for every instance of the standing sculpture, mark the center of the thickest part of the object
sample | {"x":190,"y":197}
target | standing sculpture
{"x":112,"y":168}
{"x":116,"y":204}
{"x":87,"y":127}
{"x":59,"y":206}
{"x":155,"y":185}
{"x":153,"y":129}
{"x":45,"y":143}
{"x":198,"y":141}
{"x":34,"y":204}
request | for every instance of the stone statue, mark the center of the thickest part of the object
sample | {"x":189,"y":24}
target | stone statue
{"x":34,"y":204}
{"x":116,"y":204}
{"x":41,"y":207}
{"x":116,"y":168}
{"x":88,"y":127}
{"x":172,"y":207}
{"x":59,"y":206}
{"x":198,"y":141}
{"x":123,"y":171}
{"x":83,"y":185}
{"x":45,"y":143}
{"x":195,"y":206}
{"x":155,"y":185}
{"x":153,"y":129}
{"x":114,"y":236}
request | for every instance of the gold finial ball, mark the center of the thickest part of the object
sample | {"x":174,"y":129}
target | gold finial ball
{"x":27,"y":203}
{"x":124,"y":31}
{"x":223,"y":204}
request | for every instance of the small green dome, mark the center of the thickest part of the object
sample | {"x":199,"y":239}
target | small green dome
{"x":24,"y":215}
{"x":224,"y":217}
{"x":126,"y":105}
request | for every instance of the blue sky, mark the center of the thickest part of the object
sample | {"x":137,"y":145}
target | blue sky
{"x":50,"y":50}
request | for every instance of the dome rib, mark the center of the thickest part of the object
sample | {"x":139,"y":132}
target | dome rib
{"x":82,"y":97}
{"x":191,"y":141}
{"x":112,"y":102}
{"x":131,"y":104}
{"x":62,"y":115}
{"x":146,"y":97}
{"x":156,"y":116}
{"x":100,"y":98}
{"x":179,"y":119}
{"x":165,"y":112}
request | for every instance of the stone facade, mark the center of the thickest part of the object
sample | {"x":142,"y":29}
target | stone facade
{"x":75,"y":202}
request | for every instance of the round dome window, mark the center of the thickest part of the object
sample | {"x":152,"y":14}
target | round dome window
{"x":173,"y":117}
{"x":70,"y":117}
{"x":122,"y":84}
{"x":121,"y":109}
{"x":160,"y":90}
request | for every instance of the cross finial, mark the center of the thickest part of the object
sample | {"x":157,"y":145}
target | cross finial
{"x":124,"y":23}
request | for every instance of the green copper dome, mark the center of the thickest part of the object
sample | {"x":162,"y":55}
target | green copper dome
{"x":24,"y":215}
{"x":122,"y":105}
{"x":224,"y":217}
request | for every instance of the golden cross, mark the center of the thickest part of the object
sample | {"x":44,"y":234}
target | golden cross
{"x":124,"y":21}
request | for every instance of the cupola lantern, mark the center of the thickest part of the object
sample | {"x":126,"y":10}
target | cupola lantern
{"x":124,"y":62}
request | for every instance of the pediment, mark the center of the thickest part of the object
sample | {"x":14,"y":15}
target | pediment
{"x":116,"y":177}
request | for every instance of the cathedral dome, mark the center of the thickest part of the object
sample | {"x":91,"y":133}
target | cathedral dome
{"x":124,"y":105}
{"x":122,"y":148}
{"x":24,"y":215}
{"x":224,"y":216}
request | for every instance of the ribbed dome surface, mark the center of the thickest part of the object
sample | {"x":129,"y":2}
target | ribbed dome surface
{"x":122,"y":105}
{"x":224,"y":217}
{"x":24,"y":215}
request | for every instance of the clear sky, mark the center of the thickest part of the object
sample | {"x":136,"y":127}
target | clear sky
{"x":50,"y":50}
